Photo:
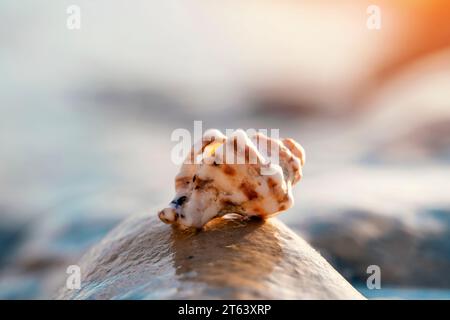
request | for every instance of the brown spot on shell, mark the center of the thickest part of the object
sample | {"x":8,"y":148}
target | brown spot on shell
{"x":248,"y":190}
{"x":226,"y":202}
{"x":295,"y":148}
{"x":229,"y":170}
{"x":271,"y":183}
{"x":259,"y":211}
{"x":281,"y":197}
{"x":285,"y":198}
{"x":200,"y":183}
{"x":182,"y":181}
{"x":247,"y":154}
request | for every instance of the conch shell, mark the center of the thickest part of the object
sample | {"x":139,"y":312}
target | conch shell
{"x":251,"y":176}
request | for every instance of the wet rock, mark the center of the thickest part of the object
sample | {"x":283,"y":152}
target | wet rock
{"x":410,"y":251}
{"x":37,"y":253}
{"x":231,"y":258}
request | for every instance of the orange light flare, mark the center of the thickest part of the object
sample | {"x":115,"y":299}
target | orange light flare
{"x":319,"y":56}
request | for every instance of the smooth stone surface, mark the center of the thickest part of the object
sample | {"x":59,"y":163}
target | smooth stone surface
{"x":410,"y":249}
{"x":143,"y":258}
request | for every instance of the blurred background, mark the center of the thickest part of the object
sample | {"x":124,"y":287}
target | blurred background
{"x":86,"y":118}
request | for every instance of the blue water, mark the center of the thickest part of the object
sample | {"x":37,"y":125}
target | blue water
{"x":404,"y":293}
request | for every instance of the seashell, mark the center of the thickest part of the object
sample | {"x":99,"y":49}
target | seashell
{"x":251,"y":176}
